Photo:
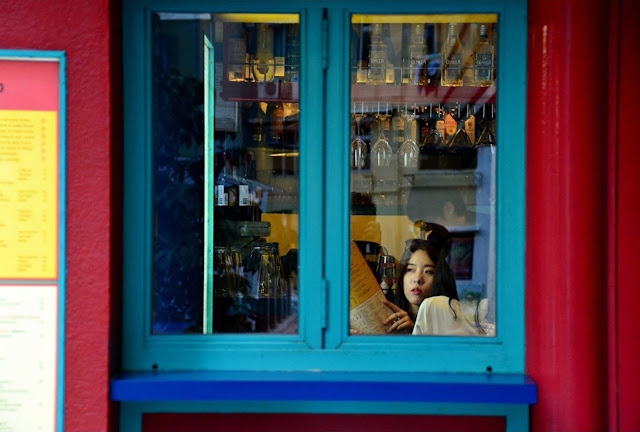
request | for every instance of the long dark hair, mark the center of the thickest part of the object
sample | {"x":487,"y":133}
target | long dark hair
{"x":437,"y":245}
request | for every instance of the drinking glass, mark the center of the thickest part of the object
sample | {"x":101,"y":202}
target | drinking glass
{"x":409,"y":153}
{"x":359,"y":148}
{"x":487,"y":137}
{"x":381,"y":151}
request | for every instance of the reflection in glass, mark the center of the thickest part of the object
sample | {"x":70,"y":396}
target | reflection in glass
{"x":430,"y":177}
{"x":225,"y":173}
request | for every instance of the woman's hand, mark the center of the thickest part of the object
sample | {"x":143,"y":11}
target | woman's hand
{"x":399,"y":320}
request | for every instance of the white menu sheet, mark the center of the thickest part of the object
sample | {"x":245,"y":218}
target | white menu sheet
{"x":28,"y":357}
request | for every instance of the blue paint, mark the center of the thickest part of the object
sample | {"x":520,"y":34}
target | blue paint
{"x":324,"y":386}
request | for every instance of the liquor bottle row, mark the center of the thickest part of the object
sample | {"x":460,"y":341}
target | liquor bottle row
{"x":421,"y":137}
{"x":262,"y":52}
{"x":384,"y":54}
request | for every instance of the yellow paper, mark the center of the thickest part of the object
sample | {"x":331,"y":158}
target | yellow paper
{"x":28,"y":194}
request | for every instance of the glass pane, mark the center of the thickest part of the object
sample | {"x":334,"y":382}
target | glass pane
{"x":423,"y":160}
{"x":225,"y":168}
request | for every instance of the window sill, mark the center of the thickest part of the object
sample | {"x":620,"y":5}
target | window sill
{"x":176,"y":386}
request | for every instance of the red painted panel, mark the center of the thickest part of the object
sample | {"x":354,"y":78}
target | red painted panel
{"x":25,"y":87}
{"x":82,"y":30}
{"x":566,"y":214}
{"x":165,"y":422}
{"x":628,"y":220}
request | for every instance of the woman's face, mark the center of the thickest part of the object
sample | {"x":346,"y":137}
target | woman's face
{"x":418,"y":278}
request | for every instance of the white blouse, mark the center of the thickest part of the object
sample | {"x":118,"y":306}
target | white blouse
{"x":435,"y":317}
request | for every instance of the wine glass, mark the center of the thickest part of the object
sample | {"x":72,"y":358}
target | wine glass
{"x":381,"y":151}
{"x":409,"y":152}
{"x":359,"y":149}
{"x":487,"y":137}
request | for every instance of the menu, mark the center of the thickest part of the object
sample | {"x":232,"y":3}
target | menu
{"x":367,"y":310}
{"x":28,"y":337}
{"x":30,"y":221}
{"x":28,"y":194}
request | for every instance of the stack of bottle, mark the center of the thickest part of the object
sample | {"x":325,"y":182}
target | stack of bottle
{"x":262,"y":52}
{"x":410,"y":58}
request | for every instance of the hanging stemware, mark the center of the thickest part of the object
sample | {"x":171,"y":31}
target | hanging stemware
{"x":409,"y":153}
{"x":359,"y":148}
{"x":381,"y":151}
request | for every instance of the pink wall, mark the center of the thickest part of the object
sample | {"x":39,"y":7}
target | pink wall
{"x":81,"y":29}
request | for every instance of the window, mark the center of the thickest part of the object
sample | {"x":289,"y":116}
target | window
{"x":244,"y":187}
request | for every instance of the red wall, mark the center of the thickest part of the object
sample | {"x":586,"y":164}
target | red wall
{"x":81,"y":29}
{"x":566,"y":213}
{"x":626,"y":230}
{"x":319,"y":423}
{"x":566,"y":221}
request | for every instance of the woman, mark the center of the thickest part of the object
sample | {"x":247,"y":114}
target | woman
{"x":423,"y":272}
{"x":430,"y":302}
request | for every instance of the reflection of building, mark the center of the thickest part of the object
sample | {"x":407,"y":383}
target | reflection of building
{"x":581,"y":211}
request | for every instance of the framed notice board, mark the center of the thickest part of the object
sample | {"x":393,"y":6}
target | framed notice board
{"x":32,"y":239}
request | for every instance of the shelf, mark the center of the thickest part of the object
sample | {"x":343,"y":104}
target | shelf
{"x":260,"y":91}
{"x":422,"y":94}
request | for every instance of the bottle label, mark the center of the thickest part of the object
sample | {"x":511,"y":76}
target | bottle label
{"x":453,"y":67}
{"x":483,"y":63}
{"x":243,"y":195}
{"x":222,"y":196}
{"x":450,"y":126}
{"x":378,"y":64}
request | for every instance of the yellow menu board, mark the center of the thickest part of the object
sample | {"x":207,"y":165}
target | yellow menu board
{"x":28,"y":194}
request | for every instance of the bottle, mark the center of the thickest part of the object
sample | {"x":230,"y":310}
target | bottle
{"x":292,"y":60}
{"x":431,"y":145}
{"x":237,"y":52}
{"x":263,"y":63}
{"x":276,"y":129}
{"x":483,"y":60}
{"x":233,"y":188}
{"x":377,"y":73}
{"x":279,"y":44}
{"x":417,"y":56}
{"x":223,"y":183}
{"x":470,"y":125}
{"x":257,"y":132}
{"x":450,"y":125}
{"x":391,"y":54}
{"x":463,"y":152}
{"x":452,"y":59}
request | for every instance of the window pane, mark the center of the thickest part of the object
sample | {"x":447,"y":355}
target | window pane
{"x":225,"y":166}
{"x":422,"y":158}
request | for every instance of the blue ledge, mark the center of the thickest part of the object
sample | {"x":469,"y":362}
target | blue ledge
{"x":324,"y":386}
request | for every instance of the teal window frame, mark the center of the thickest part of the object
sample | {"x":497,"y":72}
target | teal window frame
{"x":323,"y":342}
